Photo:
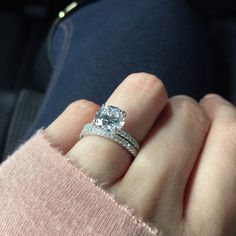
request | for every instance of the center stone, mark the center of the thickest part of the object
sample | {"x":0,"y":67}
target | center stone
{"x":110,"y":118}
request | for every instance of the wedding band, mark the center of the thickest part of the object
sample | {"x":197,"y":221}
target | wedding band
{"x":89,"y":129}
{"x":108,"y":123}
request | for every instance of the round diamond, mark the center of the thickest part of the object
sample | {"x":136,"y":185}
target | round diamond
{"x":110,"y":118}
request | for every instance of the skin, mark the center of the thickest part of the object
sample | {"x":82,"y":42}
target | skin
{"x":183,"y":179}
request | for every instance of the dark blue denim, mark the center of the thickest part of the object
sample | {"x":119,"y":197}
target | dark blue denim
{"x":94,"y":49}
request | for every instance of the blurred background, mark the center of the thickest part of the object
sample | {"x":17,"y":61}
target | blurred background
{"x":25,"y":69}
{"x":24,"y":26}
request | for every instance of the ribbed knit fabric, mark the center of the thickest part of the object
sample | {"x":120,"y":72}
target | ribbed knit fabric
{"x":43,"y":193}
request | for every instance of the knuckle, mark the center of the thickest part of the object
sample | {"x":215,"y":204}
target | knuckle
{"x":190,"y":110}
{"x":145,"y":81}
{"x":143,"y":75}
{"x":76,"y":106}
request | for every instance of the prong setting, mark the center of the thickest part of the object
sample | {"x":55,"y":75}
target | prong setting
{"x":108,"y":123}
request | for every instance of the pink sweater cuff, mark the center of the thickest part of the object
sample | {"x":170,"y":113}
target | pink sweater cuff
{"x":43,"y":193}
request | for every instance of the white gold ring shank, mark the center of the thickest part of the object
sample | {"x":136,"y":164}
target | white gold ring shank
{"x":108,"y":123}
{"x":89,"y":129}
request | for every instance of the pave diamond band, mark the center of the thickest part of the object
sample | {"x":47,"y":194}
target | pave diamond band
{"x":129,"y":138}
{"x":89,"y":129}
{"x":126,"y":136}
{"x":108,"y":123}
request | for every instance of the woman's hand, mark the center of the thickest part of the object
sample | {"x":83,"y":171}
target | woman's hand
{"x":183,"y":179}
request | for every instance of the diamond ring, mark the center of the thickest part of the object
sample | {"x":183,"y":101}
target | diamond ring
{"x":108,"y":123}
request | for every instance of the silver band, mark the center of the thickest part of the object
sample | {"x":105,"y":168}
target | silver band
{"x":126,"y":136}
{"x":129,"y":138}
{"x":89,"y":129}
{"x":108,"y":123}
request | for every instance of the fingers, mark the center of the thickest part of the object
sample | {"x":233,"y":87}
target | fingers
{"x":155,"y":183}
{"x":212,"y":197}
{"x":142,"y":96}
{"x":178,"y":176}
{"x":65,"y":130}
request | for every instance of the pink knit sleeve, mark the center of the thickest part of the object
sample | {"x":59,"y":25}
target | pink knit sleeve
{"x":44,"y":193}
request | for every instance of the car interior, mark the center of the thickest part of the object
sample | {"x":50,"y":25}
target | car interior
{"x":25,"y":71}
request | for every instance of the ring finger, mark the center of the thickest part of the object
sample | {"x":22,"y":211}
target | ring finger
{"x":142,"y":96}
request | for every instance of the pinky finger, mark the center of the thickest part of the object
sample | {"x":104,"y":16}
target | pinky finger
{"x":212,"y":202}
